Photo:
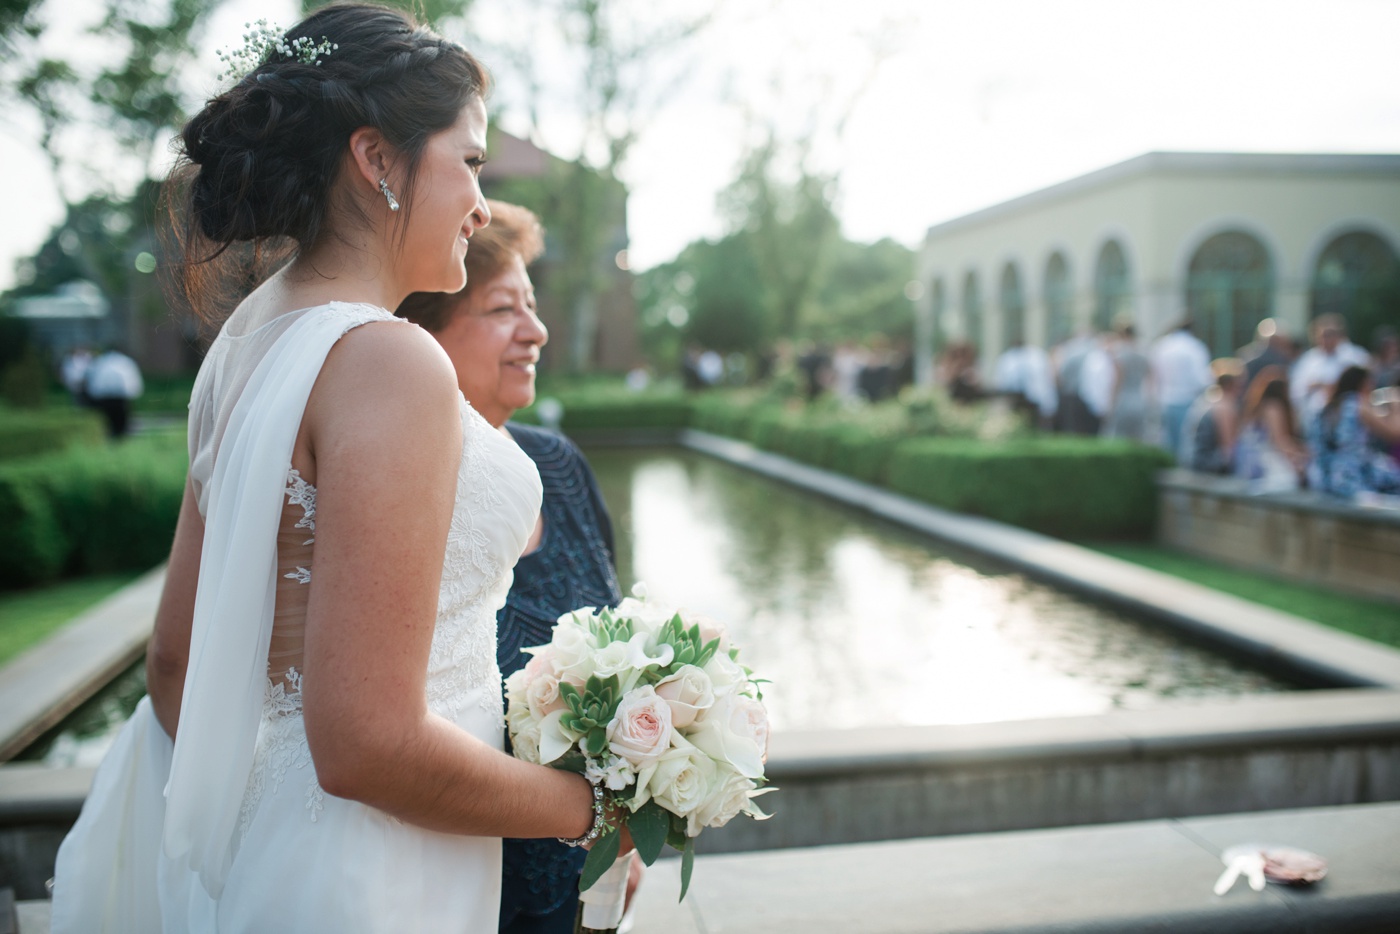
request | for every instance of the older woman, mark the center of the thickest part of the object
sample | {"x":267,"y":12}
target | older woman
{"x":491,"y":332}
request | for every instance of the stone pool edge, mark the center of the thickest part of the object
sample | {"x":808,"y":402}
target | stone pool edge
{"x":1277,"y":641}
{"x":48,"y":681}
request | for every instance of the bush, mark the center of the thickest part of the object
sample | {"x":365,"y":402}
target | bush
{"x":88,"y":511}
{"x":26,"y":433}
{"x":613,"y":407}
{"x":1067,"y":487}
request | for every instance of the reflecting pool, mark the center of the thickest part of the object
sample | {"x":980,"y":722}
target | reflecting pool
{"x":856,"y":621}
{"x":859,"y":622}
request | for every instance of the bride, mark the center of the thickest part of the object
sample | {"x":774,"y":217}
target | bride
{"x":324,"y":649}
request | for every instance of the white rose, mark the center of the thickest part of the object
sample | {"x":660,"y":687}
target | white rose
{"x":678,"y":781}
{"x":640,"y":730}
{"x":542,"y":696}
{"x":735,"y":731}
{"x":726,"y":676}
{"x":526,"y":744}
{"x":728,"y":798}
{"x":688,"y":692}
{"x":572,"y":649}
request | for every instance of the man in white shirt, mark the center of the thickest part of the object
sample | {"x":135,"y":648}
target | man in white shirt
{"x":112,"y":380}
{"x":1316,"y":372}
{"x":1181,"y":367}
{"x":1023,"y":373}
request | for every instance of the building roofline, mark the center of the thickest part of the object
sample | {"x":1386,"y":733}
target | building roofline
{"x":1149,"y":163}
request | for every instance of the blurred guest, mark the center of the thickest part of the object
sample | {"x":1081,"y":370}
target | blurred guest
{"x":1212,"y":423}
{"x":690,"y":368}
{"x":112,"y":381}
{"x":876,"y":379}
{"x":1130,"y":401}
{"x":710,"y":366}
{"x":1268,"y":452}
{"x":1387,"y":358}
{"x":1096,"y":376}
{"x":847,"y":361}
{"x":1271,"y":347}
{"x":1347,"y":436}
{"x":1072,"y":415}
{"x":73,"y":372}
{"x":1023,"y":374}
{"x":959,"y":372}
{"x":639,"y":377}
{"x":815,"y":364}
{"x":1181,"y":369}
{"x":1317,"y":370}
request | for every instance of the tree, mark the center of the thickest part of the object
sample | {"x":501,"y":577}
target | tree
{"x":788,"y":226}
{"x":608,"y":64}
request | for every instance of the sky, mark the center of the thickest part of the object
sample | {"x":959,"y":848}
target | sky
{"x":925,"y":110}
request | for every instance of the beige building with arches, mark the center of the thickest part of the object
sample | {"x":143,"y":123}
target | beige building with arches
{"x":1225,"y":238}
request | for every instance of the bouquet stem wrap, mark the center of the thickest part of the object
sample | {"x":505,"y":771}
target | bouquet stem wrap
{"x":604,"y":900}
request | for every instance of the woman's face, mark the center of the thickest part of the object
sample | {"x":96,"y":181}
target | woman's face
{"x":448,"y":206}
{"x":494,"y":338}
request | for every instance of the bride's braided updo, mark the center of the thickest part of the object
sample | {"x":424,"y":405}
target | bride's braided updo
{"x":259,"y":160}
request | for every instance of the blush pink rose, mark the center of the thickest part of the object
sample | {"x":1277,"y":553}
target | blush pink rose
{"x":641,"y":729}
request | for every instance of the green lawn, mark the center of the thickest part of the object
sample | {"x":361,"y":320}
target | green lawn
{"x":27,"y":616}
{"x":1372,"y":619}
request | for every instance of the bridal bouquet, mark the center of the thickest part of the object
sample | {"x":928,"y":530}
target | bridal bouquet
{"x":654,"y":705}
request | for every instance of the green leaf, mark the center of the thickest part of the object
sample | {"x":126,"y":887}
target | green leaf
{"x":687,"y":864}
{"x":600,"y":858}
{"x":649,"y":826}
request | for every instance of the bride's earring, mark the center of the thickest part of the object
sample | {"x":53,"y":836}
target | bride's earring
{"x":388,"y":195}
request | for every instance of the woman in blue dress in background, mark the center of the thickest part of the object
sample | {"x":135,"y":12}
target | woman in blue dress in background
{"x":491,"y":332}
{"x":1350,"y":438}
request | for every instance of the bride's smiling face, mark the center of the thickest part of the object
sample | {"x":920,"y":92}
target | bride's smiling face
{"x":448,"y":206}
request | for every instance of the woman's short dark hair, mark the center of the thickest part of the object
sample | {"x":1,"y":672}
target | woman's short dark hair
{"x":513,"y":232}
{"x":258,"y":161}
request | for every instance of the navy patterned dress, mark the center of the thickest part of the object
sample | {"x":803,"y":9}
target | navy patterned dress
{"x":573,"y":567}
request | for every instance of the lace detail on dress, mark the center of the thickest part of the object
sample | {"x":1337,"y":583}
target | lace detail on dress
{"x":300,"y":493}
{"x":281,"y":748}
{"x":464,"y":645}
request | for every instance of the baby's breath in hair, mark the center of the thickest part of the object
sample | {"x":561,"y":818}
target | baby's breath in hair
{"x":262,"y":41}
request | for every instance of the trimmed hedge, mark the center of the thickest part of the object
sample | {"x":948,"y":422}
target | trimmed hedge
{"x":89,"y":511}
{"x":27,"y":433}
{"x":603,"y":410}
{"x":1069,"y":487}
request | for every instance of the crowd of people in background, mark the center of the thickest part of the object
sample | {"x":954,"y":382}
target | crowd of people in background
{"x":1326,"y":419}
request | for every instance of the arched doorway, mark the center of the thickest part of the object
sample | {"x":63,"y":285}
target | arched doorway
{"x":972,"y":310}
{"x":1113,"y":291}
{"x":1358,"y":277}
{"x":1059,"y":300}
{"x":1013,"y":307}
{"x":1229,"y":290}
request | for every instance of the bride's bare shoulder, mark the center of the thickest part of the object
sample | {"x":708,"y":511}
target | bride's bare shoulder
{"x":390,"y":367}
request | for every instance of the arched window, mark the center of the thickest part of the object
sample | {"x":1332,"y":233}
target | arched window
{"x":938,"y":304}
{"x":1013,"y":307}
{"x":1229,"y":290}
{"x":1358,"y":277}
{"x":1113,"y":295}
{"x":1059,"y":300}
{"x":971,"y":309}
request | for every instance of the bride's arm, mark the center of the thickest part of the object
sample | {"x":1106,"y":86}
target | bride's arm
{"x":384,"y":430}
{"x":168,"y":653}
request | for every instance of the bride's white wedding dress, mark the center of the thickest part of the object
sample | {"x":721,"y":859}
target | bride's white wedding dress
{"x":245,"y":840}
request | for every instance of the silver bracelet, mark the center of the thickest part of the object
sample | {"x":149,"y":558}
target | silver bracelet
{"x":599,"y":822}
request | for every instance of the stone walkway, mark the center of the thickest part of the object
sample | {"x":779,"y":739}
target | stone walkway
{"x":1148,"y":876}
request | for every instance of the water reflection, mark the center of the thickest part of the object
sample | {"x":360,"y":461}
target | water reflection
{"x":861,"y":623}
